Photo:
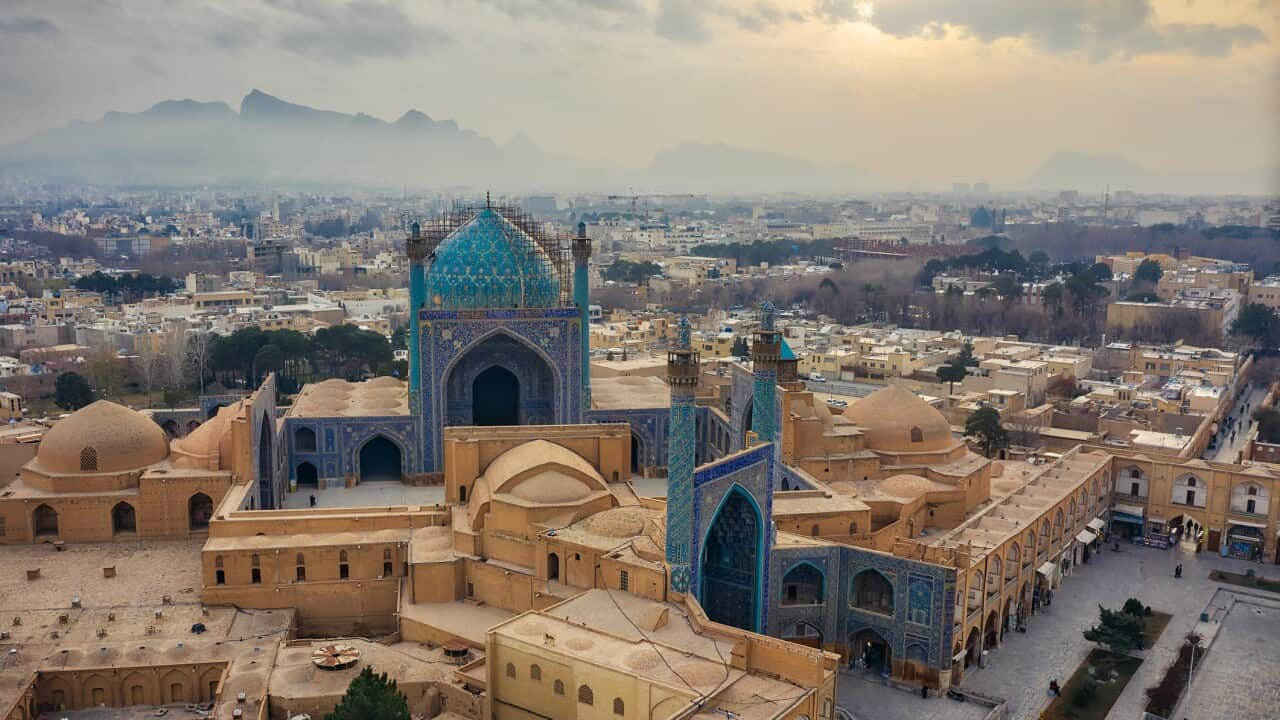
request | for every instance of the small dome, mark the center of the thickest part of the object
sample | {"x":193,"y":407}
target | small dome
{"x":620,"y":522}
{"x":489,"y":262}
{"x":102,"y":437}
{"x":895,"y":419}
{"x":550,"y":487}
{"x":203,"y":447}
{"x":905,"y":486}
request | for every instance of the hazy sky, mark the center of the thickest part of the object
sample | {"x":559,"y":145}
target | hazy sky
{"x":916,"y":92}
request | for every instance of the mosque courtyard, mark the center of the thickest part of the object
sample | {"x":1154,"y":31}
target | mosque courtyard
{"x":1020,"y":670}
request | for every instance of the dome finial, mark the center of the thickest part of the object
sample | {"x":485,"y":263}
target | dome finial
{"x":487,"y":202}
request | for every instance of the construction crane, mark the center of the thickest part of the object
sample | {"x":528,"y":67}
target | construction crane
{"x":635,"y":198}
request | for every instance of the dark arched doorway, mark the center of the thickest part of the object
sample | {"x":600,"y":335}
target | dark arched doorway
{"x":971,"y":648}
{"x":869,"y":650}
{"x":123,"y":519}
{"x":45,"y":521}
{"x":730,"y":562}
{"x":495,"y":395}
{"x":747,"y":419}
{"x":307,"y":475}
{"x":199,"y":511}
{"x":266,"y":461}
{"x":171,"y":428}
{"x":380,"y":460}
{"x":553,"y":566}
{"x":635,"y":454}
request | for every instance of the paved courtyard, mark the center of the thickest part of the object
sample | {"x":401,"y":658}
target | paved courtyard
{"x":1238,"y":680}
{"x":1052,"y":647}
{"x":369,"y":494}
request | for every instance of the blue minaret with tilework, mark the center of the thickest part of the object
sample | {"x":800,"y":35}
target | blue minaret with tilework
{"x":682,"y":374}
{"x":416,"y":248}
{"x":766,"y":351}
{"x":582,"y":298}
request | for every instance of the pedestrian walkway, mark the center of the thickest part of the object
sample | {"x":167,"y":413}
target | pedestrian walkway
{"x":1229,"y":450}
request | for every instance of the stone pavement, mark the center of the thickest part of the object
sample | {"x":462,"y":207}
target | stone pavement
{"x":870,"y":699}
{"x":1228,"y":451}
{"x":1053,"y":647}
{"x":1238,"y":679}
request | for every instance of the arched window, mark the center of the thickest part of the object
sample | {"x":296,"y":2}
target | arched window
{"x":853,"y":528}
{"x":1253,"y":490}
{"x":462,"y":493}
{"x":304,"y":440}
{"x":89,"y":459}
{"x":813,"y":530}
{"x":511,"y":670}
{"x":558,"y":688}
{"x":917,"y":435}
{"x":872,"y":591}
{"x":535,"y":672}
{"x":217,"y":561}
{"x":585,"y":696}
{"x":1135,"y":473}
{"x":342,"y":556}
{"x":619,"y":708}
{"x":802,"y":585}
{"x":1191,"y":482}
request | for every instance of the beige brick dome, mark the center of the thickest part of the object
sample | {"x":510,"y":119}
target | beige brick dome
{"x":894,"y":419}
{"x":102,"y":437}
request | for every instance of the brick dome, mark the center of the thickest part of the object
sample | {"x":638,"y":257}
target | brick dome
{"x":102,"y":437}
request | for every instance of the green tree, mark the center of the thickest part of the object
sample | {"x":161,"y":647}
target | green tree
{"x":1038,"y":258}
{"x":1149,"y":271}
{"x":371,"y":697}
{"x":1102,"y":271}
{"x":951,"y":374}
{"x":1119,"y":631}
{"x":1268,"y":419}
{"x":72,"y":392}
{"x":740,"y":348}
{"x":268,"y":359}
{"x":966,"y":357}
{"x":400,"y":339}
{"x":1258,"y":323}
{"x":984,"y":424}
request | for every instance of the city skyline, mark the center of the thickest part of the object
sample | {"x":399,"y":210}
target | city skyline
{"x":911,"y":94}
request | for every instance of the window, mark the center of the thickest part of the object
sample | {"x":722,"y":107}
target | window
{"x":344,"y":571}
{"x":255,"y":576}
{"x":1135,"y":473}
{"x":619,"y":708}
{"x":1134,"y":489}
{"x":217,"y":561}
{"x":255,"y":561}
{"x":304,"y":439}
{"x":535,"y":672}
{"x":1252,"y":490}
{"x":1251,"y":507}
{"x":462,"y":493}
{"x":558,"y":688}
{"x":220,"y":577}
{"x":813,"y":530}
{"x":624,"y":581}
{"x":386,"y":569}
{"x":89,"y":459}
{"x":301,"y":574}
{"x":585,"y":696}
{"x":386,"y":554}
{"x":1191,"y":482}
{"x":853,"y":528}
{"x":1191,"y":497}
{"x":917,"y":435}
{"x":511,"y":670}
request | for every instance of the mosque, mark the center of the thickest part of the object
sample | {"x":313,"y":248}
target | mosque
{"x":797,"y":537}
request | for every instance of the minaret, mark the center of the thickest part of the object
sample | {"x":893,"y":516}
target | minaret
{"x":582,"y":297}
{"x":416,"y":248}
{"x":766,"y":351}
{"x":682,"y":374}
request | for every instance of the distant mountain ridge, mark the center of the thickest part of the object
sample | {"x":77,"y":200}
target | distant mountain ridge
{"x":269,"y":139}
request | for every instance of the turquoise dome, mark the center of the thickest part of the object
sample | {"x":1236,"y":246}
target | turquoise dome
{"x":491,"y":263}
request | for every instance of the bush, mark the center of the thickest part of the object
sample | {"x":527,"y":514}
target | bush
{"x":1134,"y":606}
{"x":1085,"y":693}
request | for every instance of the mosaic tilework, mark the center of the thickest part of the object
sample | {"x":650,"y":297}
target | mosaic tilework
{"x":680,"y":459}
{"x":338,"y":443}
{"x":648,"y":430}
{"x":764,"y":411}
{"x":491,"y":263}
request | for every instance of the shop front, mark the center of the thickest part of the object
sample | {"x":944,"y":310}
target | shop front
{"x":1128,"y":521}
{"x":1245,"y":540}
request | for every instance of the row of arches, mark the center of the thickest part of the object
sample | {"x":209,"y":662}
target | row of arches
{"x":379,"y":460}
{"x":123,"y":518}
{"x":56,"y":693}
{"x":805,"y":584}
{"x":586,"y":696}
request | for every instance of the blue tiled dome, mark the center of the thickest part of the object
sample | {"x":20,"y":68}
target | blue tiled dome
{"x":491,"y":263}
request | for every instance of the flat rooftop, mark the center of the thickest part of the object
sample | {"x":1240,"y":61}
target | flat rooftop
{"x":146,"y":571}
{"x":379,"y":397}
{"x":629,"y":393}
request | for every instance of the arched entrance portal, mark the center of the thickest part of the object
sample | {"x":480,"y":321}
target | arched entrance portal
{"x":636,"y":454}
{"x":553,"y":566}
{"x":45,"y":521}
{"x":731,"y":557}
{"x":199,"y":511}
{"x":869,"y":650}
{"x":495,"y":397}
{"x":380,"y":460}
{"x":266,"y":460}
{"x":123,"y":519}
{"x":307,"y":475}
{"x":971,"y":648}
{"x":501,"y":380}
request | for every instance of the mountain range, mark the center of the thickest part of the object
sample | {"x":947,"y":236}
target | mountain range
{"x":270,"y":140}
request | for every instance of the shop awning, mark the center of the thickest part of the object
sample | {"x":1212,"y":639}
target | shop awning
{"x":1047,"y":569}
{"x":1086,"y":537}
{"x":1243,"y":523}
{"x":1096,"y":525}
{"x":1136,"y":510}
{"x":1156,"y":519}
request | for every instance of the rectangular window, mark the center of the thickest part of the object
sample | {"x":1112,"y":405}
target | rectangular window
{"x":624,"y":581}
{"x":2,"y":530}
{"x":256,"y":577}
{"x":1191,"y":497}
{"x":302,"y":573}
{"x":1133,"y":489}
{"x":344,"y":571}
{"x":1251,"y":506}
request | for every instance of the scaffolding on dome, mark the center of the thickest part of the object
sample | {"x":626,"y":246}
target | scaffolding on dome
{"x":556,"y":248}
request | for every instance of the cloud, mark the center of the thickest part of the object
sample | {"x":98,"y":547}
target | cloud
{"x":1099,"y":28}
{"x":356,"y":31}
{"x":36,"y":26}
{"x":613,"y":15}
{"x":683,"y":22}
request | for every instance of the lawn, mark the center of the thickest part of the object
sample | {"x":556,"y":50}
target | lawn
{"x":1152,"y":626}
{"x":1255,"y":581}
{"x":1112,"y":673}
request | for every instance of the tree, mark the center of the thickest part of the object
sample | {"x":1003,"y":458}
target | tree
{"x":371,"y":697}
{"x":1118,"y":630}
{"x":1148,"y":271}
{"x":1259,"y":323}
{"x":984,"y":424}
{"x":106,"y":372}
{"x":966,"y":358}
{"x":72,"y":392}
{"x":951,"y":373}
{"x":1268,"y":419}
{"x":199,"y":347}
{"x":268,"y":359}
{"x":740,"y":348}
{"x":1038,"y":258}
{"x":1102,"y":271}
